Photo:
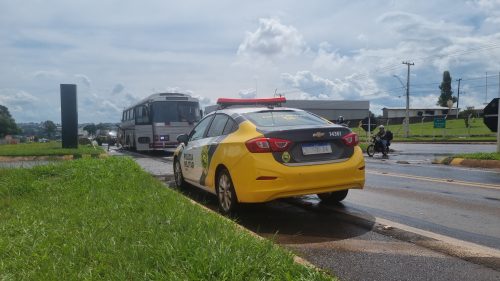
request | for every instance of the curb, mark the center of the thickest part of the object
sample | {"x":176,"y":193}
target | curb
{"x":296,"y":259}
{"x":473,"y":163}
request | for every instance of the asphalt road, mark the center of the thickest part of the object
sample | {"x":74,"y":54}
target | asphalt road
{"x":460,"y":203}
{"x":348,"y":240}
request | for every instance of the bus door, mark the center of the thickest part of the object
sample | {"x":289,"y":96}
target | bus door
{"x":143,"y":128}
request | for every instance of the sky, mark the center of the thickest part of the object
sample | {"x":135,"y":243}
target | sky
{"x":119,"y":52}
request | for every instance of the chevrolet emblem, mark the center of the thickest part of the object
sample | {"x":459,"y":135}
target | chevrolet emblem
{"x":318,"y":135}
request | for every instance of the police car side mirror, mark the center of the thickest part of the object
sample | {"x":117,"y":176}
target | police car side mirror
{"x":183,"y":138}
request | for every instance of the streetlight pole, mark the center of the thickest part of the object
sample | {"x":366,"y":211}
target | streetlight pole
{"x":458,"y":93}
{"x":407,"y":113}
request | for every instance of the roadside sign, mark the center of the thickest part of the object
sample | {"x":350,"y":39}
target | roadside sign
{"x":439,"y":123}
{"x":372,"y":122}
{"x":491,"y":115}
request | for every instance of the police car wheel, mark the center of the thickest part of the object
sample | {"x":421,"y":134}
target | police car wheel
{"x":179,"y":178}
{"x":333,"y":197}
{"x":225,"y":192}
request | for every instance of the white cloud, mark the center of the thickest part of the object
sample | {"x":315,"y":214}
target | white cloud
{"x":159,"y":46}
{"x":311,"y":86}
{"x":247,"y":94}
{"x":118,"y":88}
{"x":414,"y":26}
{"x":48,"y":74}
{"x":491,"y":8}
{"x":272,"y":39}
{"x":16,"y":97}
{"x":327,"y":59}
{"x":84,"y":80}
{"x":19,"y":102}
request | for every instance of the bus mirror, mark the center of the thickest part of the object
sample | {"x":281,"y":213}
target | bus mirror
{"x":183,"y":138}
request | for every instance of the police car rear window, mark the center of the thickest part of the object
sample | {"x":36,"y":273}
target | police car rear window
{"x":283,"y":118}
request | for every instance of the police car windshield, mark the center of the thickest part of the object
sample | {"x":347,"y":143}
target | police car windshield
{"x":283,"y":118}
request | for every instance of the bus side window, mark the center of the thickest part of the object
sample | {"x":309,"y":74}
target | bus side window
{"x":142,"y":114}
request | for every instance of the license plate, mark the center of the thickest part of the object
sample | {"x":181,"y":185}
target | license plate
{"x":316,"y":148}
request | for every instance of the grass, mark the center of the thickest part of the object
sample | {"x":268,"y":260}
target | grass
{"x":455,"y":131}
{"x":106,"y":219}
{"x":46,"y":149}
{"x":480,"y":156}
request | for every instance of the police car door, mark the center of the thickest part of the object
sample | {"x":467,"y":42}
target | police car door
{"x":190,"y":159}
{"x":206,"y":146}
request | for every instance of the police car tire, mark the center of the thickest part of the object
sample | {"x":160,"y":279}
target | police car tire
{"x":178,"y":177}
{"x":227,"y":200}
{"x":333,"y":197}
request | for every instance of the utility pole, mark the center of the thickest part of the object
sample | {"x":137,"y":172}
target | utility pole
{"x":407,"y":113}
{"x":486,"y":90}
{"x":458,"y":93}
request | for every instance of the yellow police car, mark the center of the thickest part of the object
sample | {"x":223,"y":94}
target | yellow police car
{"x":262,"y":151}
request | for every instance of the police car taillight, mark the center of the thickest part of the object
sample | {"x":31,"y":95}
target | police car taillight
{"x":262,"y":145}
{"x":350,"y":139}
{"x":226,"y":102}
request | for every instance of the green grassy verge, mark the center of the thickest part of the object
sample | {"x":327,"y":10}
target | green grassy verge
{"x":363,"y":146}
{"x":480,"y":156}
{"x":455,"y":131}
{"x":106,"y":219}
{"x":46,"y":149}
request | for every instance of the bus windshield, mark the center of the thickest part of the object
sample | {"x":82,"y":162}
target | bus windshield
{"x":176,"y":111}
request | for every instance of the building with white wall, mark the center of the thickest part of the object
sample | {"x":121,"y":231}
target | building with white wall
{"x":417,"y":112}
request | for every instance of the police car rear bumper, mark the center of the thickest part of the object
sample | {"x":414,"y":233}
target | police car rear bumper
{"x":266,"y":179}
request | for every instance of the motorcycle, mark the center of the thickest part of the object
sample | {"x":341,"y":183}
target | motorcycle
{"x":377,"y":146}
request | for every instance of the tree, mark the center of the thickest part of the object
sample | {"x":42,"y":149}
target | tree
{"x":446,"y":91}
{"x":8,"y":125}
{"x":49,"y":127}
{"x":91,"y":129}
{"x":102,"y":126}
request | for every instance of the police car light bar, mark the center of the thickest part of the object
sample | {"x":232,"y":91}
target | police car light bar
{"x":226,"y":102}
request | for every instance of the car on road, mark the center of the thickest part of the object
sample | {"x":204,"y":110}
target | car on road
{"x":254,"y":150}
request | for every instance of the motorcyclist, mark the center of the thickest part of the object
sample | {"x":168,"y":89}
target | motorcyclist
{"x":382,"y":137}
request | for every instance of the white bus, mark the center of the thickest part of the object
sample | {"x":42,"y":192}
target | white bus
{"x":155,"y":122}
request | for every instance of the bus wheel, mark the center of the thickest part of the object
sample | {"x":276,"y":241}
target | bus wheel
{"x":225,"y":192}
{"x":179,"y":178}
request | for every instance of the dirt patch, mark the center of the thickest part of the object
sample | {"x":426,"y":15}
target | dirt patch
{"x":34,"y":158}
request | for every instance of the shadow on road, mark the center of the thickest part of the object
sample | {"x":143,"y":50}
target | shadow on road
{"x":292,"y":221}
